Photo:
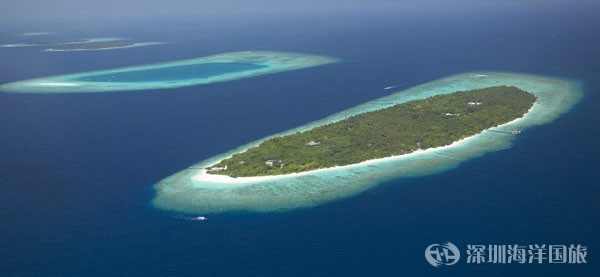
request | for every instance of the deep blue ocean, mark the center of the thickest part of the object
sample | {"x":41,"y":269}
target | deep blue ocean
{"x":76,"y":170}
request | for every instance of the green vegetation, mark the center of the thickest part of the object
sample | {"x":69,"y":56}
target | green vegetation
{"x":436,"y":121}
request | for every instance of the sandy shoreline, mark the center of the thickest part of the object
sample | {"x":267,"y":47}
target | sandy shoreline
{"x":203,"y":176}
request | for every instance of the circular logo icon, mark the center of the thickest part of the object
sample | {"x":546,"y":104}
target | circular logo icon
{"x":442,"y":254}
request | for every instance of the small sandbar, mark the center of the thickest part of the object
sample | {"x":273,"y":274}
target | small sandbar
{"x":31,"y":34}
{"x":205,"y":70}
{"x":101,"y":46}
{"x":193,"y":191}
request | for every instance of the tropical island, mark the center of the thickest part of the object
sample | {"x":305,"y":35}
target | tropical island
{"x":194,"y":190}
{"x":401,"y":129}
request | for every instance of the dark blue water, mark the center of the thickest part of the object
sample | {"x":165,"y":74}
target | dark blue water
{"x":76,"y":170}
{"x":173,"y":73}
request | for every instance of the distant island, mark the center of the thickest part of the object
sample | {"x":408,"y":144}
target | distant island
{"x":100,"y":46}
{"x":61,"y":42}
{"x":401,"y":129}
{"x":171,"y":74}
{"x":39,"y":43}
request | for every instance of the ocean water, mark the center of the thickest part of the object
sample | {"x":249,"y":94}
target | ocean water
{"x":76,"y":171}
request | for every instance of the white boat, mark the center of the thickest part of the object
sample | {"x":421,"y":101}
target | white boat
{"x":200,"y":218}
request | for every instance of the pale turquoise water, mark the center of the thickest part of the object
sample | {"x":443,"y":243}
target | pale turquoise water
{"x":205,"y":70}
{"x":174,"y":73}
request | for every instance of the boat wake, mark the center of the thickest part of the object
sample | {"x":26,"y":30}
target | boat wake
{"x":194,"y":218}
{"x":394,"y":86}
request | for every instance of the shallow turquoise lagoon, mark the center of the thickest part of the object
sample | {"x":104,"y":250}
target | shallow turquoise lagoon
{"x":205,"y":70}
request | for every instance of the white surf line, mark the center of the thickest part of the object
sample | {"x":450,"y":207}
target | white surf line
{"x":49,"y":84}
